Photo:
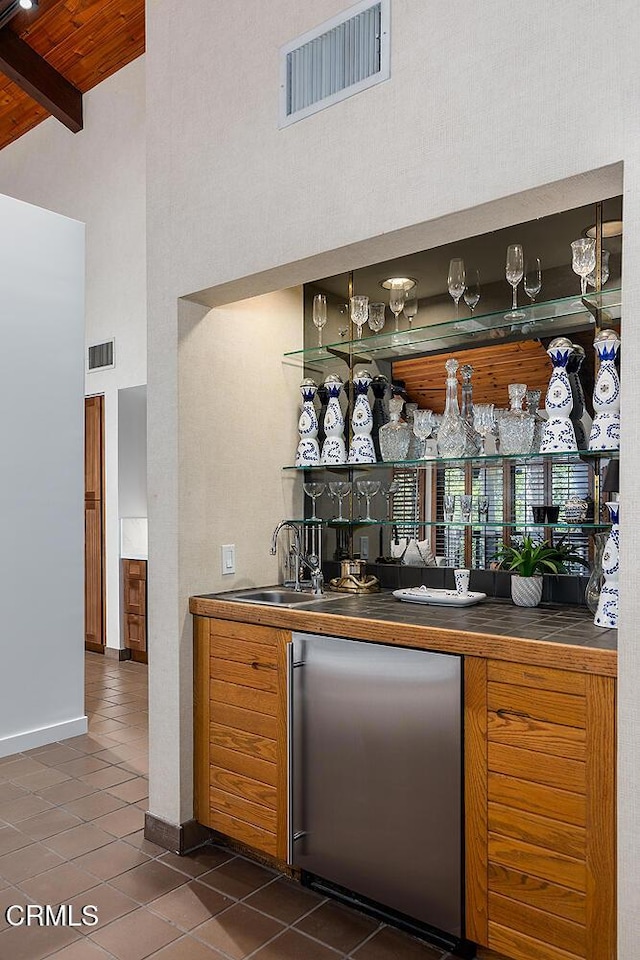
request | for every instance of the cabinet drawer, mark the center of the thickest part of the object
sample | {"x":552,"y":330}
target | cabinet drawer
{"x":135,"y":597}
{"x":540,"y":678}
{"x":557,"y":772}
{"x":509,"y":699}
{"x":135,"y":632}
{"x":134,"y":569}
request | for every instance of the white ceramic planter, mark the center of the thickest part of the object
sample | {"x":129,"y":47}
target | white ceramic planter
{"x":526,"y":591}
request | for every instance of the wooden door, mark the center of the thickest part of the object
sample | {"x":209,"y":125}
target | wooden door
{"x":94,"y":617}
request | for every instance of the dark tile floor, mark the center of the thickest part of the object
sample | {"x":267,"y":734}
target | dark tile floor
{"x":71,"y":818}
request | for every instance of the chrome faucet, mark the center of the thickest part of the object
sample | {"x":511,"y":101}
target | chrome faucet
{"x":311,"y":562}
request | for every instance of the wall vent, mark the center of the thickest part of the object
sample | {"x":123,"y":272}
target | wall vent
{"x":340,"y":57}
{"x":101,"y":356}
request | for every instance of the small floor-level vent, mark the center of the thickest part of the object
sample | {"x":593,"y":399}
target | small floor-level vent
{"x":340,"y":57}
{"x":101,"y":356}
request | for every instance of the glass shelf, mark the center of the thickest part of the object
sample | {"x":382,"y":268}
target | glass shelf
{"x":492,"y":459}
{"x":481,"y":525}
{"x":539,"y":320}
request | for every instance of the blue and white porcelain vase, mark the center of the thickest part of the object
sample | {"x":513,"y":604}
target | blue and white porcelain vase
{"x":605,"y":429}
{"x":308,"y":452}
{"x":558,"y":434}
{"x":361,"y":449}
{"x":607,"y":612}
{"x":334,"y":449}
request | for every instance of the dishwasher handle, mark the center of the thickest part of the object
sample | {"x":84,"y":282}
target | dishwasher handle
{"x":295,"y":792}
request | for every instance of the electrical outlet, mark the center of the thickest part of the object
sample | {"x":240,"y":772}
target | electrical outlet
{"x":364,"y":548}
{"x":228,"y":558}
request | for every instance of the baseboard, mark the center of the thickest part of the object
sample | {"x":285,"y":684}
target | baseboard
{"x":116,"y":653}
{"x":179,"y":838}
{"x":19,"y":742}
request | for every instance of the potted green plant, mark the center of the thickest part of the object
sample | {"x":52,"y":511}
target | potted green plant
{"x":528,"y":560}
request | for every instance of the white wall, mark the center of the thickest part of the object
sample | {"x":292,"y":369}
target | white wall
{"x":42,"y":476}
{"x":98,"y":176}
{"x":132,"y":452}
{"x":522,"y":96}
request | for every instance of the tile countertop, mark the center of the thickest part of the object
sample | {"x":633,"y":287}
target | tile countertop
{"x":550,"y":634}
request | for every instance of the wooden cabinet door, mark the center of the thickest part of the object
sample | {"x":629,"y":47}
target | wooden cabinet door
{"x":135,"y":597}
{"x":240,"y":732}
{"x":93,"y":447}
{"x":540,"y":794}
{"x":93,"y":605}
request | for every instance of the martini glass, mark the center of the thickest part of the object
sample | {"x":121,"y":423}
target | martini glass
{"x":313,"y":491}
{"x":368,"y":489}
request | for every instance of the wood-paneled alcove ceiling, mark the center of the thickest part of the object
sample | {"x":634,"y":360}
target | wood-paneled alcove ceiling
{"x":85,"y":41}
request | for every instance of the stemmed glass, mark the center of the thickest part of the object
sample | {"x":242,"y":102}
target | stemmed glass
{"x":340,"y":489}
{"x":483,"y":421}
{"x":367,"y":489}
{"x":472,"y":290}
{"x":314,"y":490}
{"x":514,"y":270}
{"x":604,"y":271}
{"x":533,"y":278}
{"x":359,"y":312}
{"x":388,"y":491}
{"x":584,"y":259}
{"x":319,"y":315}
{"x":397,"y":297}
{"x":422,"y":427}
{"x":411,"y":304}
{"x":456,"y":281}
{"x":376,"y":316}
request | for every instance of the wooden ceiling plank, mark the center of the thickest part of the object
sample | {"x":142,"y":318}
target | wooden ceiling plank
{"x":40,"y":80}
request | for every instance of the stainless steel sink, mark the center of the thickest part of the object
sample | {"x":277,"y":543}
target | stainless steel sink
{"x":277,"y":597}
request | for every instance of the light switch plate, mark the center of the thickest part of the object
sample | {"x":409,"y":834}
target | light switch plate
{"x":364,"y":548}
{"x":228,"y":558}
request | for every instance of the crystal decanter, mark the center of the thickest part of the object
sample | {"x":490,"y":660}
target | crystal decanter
{"x":516,"y":425}
{"x":579,"y":416}
{"x":414,"y":444}
{"x":395,"y":436}
{"x":473,"y":441}
{"x":532,"y":399}
{"x":452,"y":435}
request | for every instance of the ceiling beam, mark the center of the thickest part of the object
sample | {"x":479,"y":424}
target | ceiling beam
{"x":31,"y":72}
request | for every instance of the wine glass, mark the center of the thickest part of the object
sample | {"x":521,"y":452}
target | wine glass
{"x":388,"y":491}
{"x":359,"y":312}
{"x":368,"y":489}
{"x":533,"y":278}
{"x":314,"y":490}
{"x":584,"y":259}
{"x":376,"y":316}
{"x":472,"y":290}
{"x":604,"y":271}
{"x":456,"y":281}
{"x":411,"y":304}
{"x":514,"y":270}
{"x":339,"y":489}
{"x":397,"y":296}
{"x":319,"y":315}
{"x":483,"y":421}
{"x":422,"y":427}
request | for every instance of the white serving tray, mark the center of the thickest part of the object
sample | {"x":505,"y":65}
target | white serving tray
{"x":445,"y":598}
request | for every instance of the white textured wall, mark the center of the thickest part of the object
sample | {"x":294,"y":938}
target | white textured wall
{"x":42,"y":475}
{"x":491,"y":101}
{"x":98,"y":177}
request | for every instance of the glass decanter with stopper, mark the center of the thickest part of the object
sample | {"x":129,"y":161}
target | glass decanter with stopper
{"x":473,"y":441}
{"x":516,"y":425}
{"x":395,"y":436}
{"x":452,"y":435}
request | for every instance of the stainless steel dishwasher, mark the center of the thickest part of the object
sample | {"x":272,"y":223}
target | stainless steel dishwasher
{"x":376,"y":776}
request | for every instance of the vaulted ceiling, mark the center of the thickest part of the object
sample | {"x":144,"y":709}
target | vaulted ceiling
{"x":52,"y":54}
